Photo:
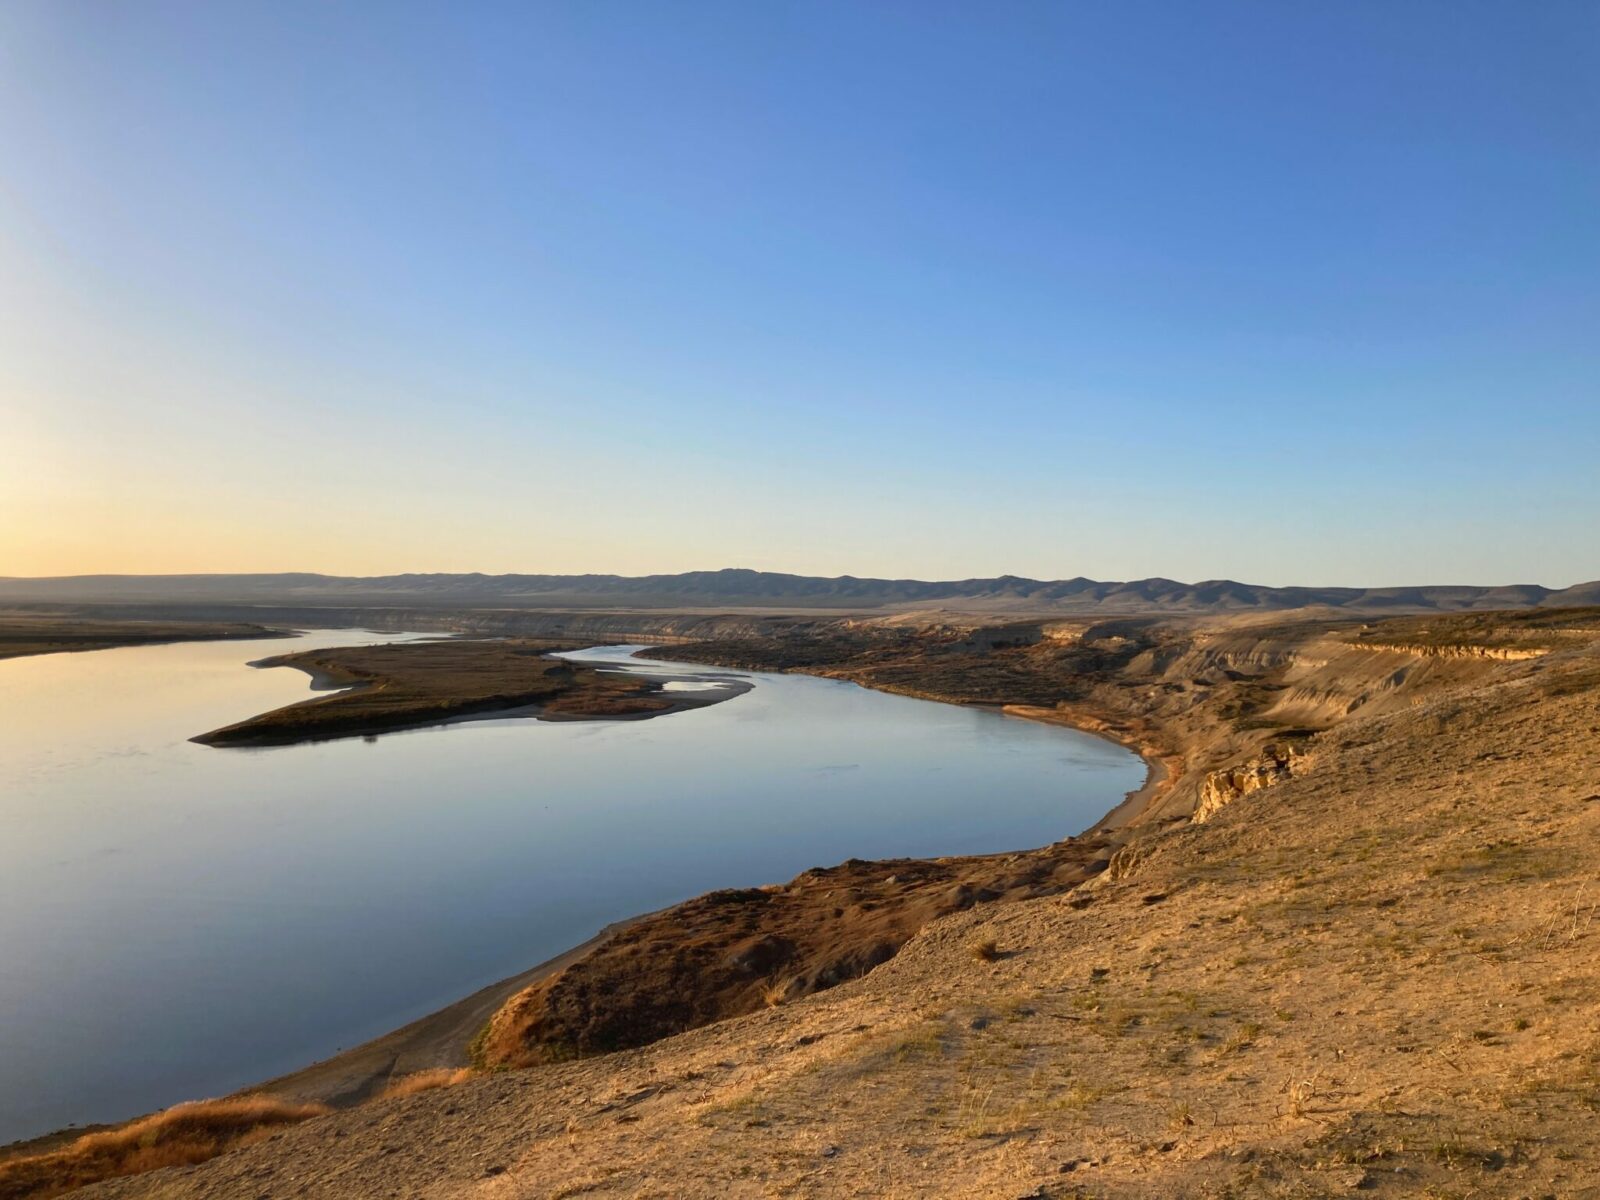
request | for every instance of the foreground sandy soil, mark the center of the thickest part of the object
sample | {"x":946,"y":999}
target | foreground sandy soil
{"x":1374,"y":966}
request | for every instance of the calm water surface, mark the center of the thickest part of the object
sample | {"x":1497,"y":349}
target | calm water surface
{"x":180,"y":921}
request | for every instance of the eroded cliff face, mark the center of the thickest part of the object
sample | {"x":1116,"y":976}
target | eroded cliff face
{"x":1276,"y":763}
{"x":1497,"y":653}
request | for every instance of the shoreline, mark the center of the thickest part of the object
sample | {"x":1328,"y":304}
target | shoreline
{"x":437,"y":1039}
{"x":83,"y":638}
{"x":1161,"y":770}
{"x":441,"y":1038}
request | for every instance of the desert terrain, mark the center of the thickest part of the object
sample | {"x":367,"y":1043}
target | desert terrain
{"x":1347,"y":944}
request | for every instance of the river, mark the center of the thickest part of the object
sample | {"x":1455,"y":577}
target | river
{"x":180,"y":921}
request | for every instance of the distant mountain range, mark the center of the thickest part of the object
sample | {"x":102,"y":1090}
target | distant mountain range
{"x":743,"y":589}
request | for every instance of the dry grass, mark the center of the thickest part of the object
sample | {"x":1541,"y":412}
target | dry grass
{"x":985,"y":951}
{"x":427,"y":1081}
{"x":181,"y":1136}
{"x":775,"y":992}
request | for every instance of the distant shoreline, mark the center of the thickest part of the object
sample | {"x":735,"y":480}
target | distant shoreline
{"x":27,"y":635}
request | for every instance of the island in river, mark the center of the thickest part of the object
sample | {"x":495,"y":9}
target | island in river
{"x":408,"y":685}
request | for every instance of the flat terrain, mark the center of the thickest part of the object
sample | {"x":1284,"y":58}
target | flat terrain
{"x":409,"y":684}
{"x":1351,"y":946}
{"x":32,"y":633}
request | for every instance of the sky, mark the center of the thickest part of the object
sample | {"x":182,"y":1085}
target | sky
{"x":1288,"y":293}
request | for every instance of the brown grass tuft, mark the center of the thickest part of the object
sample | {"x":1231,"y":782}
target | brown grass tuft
{"x":427,"y":1081}
{"x":985,"y":951}
{"x":775,"y":992}
{"x":181,"y":1136}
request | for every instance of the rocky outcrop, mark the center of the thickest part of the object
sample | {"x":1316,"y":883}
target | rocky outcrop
{"x":1274,"y":764}
{"x":1495,"y":653}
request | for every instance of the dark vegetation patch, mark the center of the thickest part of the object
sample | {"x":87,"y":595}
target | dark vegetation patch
{"x":736,"y":951}
{"x":1002,"y":665}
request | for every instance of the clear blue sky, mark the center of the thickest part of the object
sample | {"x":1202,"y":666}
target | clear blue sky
{"x":1288,"y":292}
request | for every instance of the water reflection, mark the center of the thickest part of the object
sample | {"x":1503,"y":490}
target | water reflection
{"x":181,"y":921}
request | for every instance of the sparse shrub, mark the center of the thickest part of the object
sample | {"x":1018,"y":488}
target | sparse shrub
{"x":1300,"y":1093}
{"x":774,"y":993}
{"x":427,"y":1081}
{"x":1080,"y":1096}
{"x":985,"y":951}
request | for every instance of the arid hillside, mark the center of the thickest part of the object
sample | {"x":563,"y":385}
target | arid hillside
{"x":774,"y":591}
{"x":1352,"y":947}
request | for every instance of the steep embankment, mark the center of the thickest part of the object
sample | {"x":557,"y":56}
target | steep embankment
{"x":735,"y":952}
{"x":1377,"y":975}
